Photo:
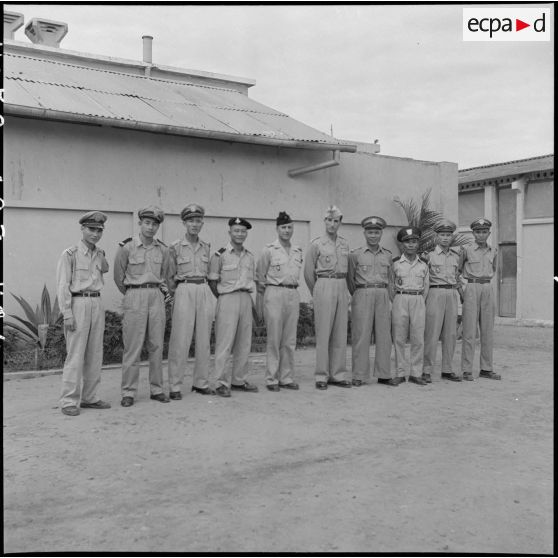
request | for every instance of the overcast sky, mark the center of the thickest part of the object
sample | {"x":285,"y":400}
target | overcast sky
{"x":399,"y":74}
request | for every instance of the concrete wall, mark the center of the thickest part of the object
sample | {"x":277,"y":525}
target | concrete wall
{"x":537,"y":288}
{"x":55,"y":171}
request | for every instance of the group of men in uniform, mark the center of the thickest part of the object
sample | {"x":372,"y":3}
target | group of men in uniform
{"x":393,"y":299}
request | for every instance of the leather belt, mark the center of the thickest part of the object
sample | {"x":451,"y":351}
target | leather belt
{"x":372,"y":286}
{"x":87,"y":293}
{"x":144,"y":286}
{"x":409,"y":292}
{"x":482,"y":281}
{"x":333,"y":276}
{"x":283,"y":286}
{"x":443,"y":286}
{"x":237,"y":291}
{"x":194,"y":280}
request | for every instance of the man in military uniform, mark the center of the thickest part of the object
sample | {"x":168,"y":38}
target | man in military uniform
{"x":478,"y":261}
{"x":277,"y":273}
{"x":79,"y":281}
{"x":408,"y":310}
{"x":369,"y":276}
{"x":231,"y":279}
{"x":193,"y":304}
{"x":325,"y":273}
{"x":441,"y":303}
{"x":140,"y":266}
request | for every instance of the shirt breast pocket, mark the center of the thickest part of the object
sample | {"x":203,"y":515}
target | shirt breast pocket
{"x":184,"y":264}
{"x":136,"y":264}
{"x":475,"y":265}
{"x":82,"y":271}
{"x":229,"y":272}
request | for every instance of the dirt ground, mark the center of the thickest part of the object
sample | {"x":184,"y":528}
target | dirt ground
{"x":452,"y":468}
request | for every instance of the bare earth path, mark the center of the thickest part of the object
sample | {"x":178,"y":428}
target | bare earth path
{"x":442,"y":468}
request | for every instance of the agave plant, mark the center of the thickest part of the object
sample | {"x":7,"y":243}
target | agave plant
{"x":34,"y":328}
{"x":420,"y":215}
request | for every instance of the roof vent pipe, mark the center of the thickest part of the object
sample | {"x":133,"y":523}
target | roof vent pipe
{"x":293,"y":173}
{"x":46,"y":32}
{"x":147,"y":49}
{"x":12,"y":22}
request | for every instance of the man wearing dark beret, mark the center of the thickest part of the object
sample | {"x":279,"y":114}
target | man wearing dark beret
{"x":193,"y":304}
{"x":231,"y":279}
{"x":140,"y":270}
{"x":478,"y":261}
{"x":79,"y":281}
{"x":277,"y":276}
{"x":408,"y":309}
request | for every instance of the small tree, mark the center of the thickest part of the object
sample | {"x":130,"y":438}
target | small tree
{"x":420,"y":215}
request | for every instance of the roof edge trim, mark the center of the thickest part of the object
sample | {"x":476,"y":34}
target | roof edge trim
{"x":47,"y":114}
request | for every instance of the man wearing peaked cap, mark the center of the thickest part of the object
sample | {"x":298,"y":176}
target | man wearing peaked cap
{"x":231,"y":279}
{"x":325,"y":273}
{"x":79,"y":278}
{"x":408,"y":309}
{"x":478,"y":261}
{"x":441,"y":302}
{"x":369,"y":278}
{"x":140,"y":271}
{"x":193,"y":308}
{"x":277,"y":276}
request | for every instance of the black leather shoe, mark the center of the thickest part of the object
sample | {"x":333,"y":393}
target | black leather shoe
{"x":292,"y":385}
{"x":388,"y":381}
{"x":356,"y":382}
{"x":97,"y":405}
{"x":161,"y":397}
{"x":401,"y":379}
{"x":451,"y":376}
{"x":223,"y":391}
{"x":321,"y":385}
{"x":273,"y":387}
{"x":468,"y":377}
{"x":340,"y":383}
{"x":175,"y":395}
{"x":204,"y":391}
{"x":245,"y":387}
{"x":127,"y":401}
{"x":417,"y":380}
{"x":427,"y":378}
{"x":490,"y":375}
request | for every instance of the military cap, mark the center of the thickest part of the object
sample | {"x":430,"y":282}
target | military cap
{"x":408,"y":233}
{"x":283,"y":218}
{"x":239,"y":221}
{"x":334,"y":212}
{"x":480,"y":223}
{"x":445,"y":226}
{"x":373,"y":222}
{"x":192,"y":210}
{"x":152,"y":212}
{"x":93,"y":220}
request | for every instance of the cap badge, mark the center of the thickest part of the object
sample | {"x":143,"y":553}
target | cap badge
{"x":409,"y":231}
{"x":237,"y":221}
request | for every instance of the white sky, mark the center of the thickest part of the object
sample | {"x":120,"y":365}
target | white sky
{"x":399,"y":74}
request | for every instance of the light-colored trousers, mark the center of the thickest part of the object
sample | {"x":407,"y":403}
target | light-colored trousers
{"x":281,"y":309}
{"x":84,"y":347}
{"x":193,"y":310}
{"x":407,"y":320}
{"x":441,"y":319}
{"x":331,"y":312}
{"x":233,"y":332}
{"x":478,"y":309}
{"x":371,"y":311}
{"x":144,"y":312}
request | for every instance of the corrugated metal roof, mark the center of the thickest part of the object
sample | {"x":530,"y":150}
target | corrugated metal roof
{"x":53,"y":86}
{"x":510,"y":168}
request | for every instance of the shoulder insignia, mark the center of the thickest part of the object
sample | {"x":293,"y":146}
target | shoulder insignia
{"x":71,"y":250}
{"x":220,"y":251}
{"x":456,"y":249}
{"x":386,"y":250}
{"x":125,"y":241}
{"x":395,"y":259}
{"x":423,"y":259}
{"x":162,"y":243}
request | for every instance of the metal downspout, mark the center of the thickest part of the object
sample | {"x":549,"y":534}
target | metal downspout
{"x":312,"y":168}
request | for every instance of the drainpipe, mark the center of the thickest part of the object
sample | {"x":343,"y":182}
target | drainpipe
{"x":312,"y":168}
{"x":147,"y":53}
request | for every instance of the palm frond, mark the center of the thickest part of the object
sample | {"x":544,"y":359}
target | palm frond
{"x":24,"y":332}
{"x":31,"y":316}
{"x":45,"y":306}
{"x":31,"y":326}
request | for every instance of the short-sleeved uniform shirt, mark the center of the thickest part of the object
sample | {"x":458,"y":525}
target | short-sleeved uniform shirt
{"x":276,"y":266}
{"x":367,"y":267}
{"x":325,"y":257}
{"x":188,"y":260}
{"x":410,"y":275}
{"x":477,"y":262}
{"x":232,"y":272}
{"x":444,"y":265}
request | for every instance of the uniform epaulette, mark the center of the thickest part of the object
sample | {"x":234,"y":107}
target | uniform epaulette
{"x":220,"y":251}
{"x":423,"y":259}
{"x":396,"y":258}
{"x":125,"y":241}
{"x":71,"y":250}
{"x":456,"y":249}
{"x":387,"y":250}
{"x":161,"y":242}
